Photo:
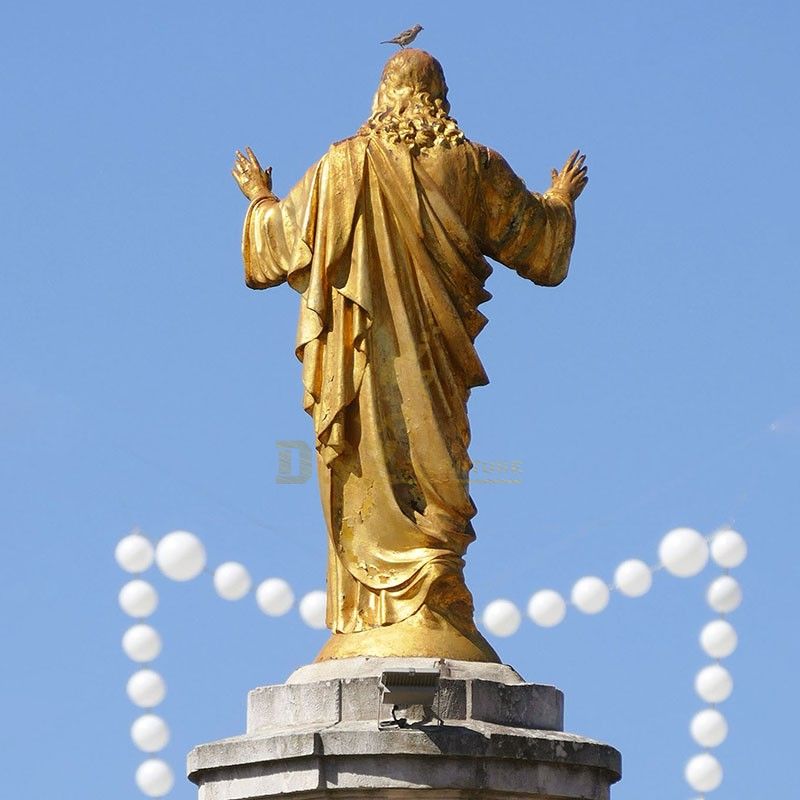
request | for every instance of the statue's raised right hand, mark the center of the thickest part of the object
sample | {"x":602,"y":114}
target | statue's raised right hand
{"x":254,"y":182}
{"x":572,"y":179}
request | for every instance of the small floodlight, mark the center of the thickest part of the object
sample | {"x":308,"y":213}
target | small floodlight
{"x":408,"y":687}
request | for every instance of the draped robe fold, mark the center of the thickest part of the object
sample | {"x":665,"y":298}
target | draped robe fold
{"x":387,"y":252}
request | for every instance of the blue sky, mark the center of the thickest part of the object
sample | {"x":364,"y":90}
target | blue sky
{"x":142,"y":384}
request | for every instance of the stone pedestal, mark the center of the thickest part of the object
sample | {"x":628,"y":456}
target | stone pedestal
{"x":318,"y":736}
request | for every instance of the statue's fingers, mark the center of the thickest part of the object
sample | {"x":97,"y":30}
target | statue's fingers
{"x":252,"y":156}
{"x":576,"y":173}
{"x":571,"y":160}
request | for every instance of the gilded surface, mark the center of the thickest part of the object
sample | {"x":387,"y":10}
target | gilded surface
{"x":385,"y":240}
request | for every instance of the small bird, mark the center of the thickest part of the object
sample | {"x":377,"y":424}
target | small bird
{"x":406,"y":37}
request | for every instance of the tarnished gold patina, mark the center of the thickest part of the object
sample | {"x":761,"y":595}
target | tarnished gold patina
{"x":385,"y":240}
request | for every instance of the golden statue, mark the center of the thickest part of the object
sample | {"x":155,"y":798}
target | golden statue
{"x":384,"y":239}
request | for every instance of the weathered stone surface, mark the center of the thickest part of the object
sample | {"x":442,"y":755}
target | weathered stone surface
{"x":283,"y":705}
{"x":486,"y":692}
{"x":526,"y":705}
{"x":369,"y":667}
{"x":320,"y":738}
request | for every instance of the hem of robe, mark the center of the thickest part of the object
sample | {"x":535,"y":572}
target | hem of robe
{"x":354,"y":607}
{"x":425,"y":634}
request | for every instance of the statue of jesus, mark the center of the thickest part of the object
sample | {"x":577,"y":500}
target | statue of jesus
{"x":385,"y":239}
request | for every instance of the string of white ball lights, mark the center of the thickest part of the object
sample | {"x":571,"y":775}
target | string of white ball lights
{"x":142,"y":644}
{"x":684,"y":553}
{"x":713,"y":683}
{"x":181,"y":557}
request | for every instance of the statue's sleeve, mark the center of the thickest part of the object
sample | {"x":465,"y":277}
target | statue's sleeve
{"x":529,"y":232}
{"x":272,"y":235}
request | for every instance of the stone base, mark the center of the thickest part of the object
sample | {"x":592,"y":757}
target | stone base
{"x":318,"y":736}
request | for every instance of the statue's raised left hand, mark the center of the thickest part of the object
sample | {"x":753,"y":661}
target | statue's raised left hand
{"x":254,"y":182}
{"x":572,"y":179}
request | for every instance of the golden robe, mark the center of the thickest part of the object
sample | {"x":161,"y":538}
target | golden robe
{"x":387,"y":252}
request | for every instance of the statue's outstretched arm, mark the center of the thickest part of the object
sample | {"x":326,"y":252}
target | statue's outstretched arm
{"x":263,"y":238}
{"x":531,"y":233}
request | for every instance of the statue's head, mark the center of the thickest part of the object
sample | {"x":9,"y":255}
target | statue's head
{"x":411,"y":104}
{"x":408,"y":74}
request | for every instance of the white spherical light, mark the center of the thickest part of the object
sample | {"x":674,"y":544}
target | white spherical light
{"x":138,"y":598}
{"x":633,"y":578}
{"x":704,"y":773}
{"x":547,"y":608}
{"x":232,"y":580}
{"x":134,"y":553}
{"x":713,"y":684}
{"x":590,"y":595}
{"x":718,"y":639}
{"x":312,"y":609}
{"x":141,"y":643}
{"x":274,"y":597}
{"x":180,"y":555}
{"x":709,"y":728}
{"x":683,"y":552}
{"x":728,"y":548}
{"x":150,"y":733}
{"x":154,"y":778}
{"x":724,"y":594}
{"x":502,"y":618}
{"x":146,"y":688}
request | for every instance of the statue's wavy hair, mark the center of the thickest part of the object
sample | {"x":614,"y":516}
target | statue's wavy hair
{"x":410,"y":106}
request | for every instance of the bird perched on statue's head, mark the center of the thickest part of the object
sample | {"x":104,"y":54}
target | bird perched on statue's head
{"x":406,"y":37}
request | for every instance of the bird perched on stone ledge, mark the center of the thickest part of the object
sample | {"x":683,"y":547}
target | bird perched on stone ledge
{"x":406,"y":37}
